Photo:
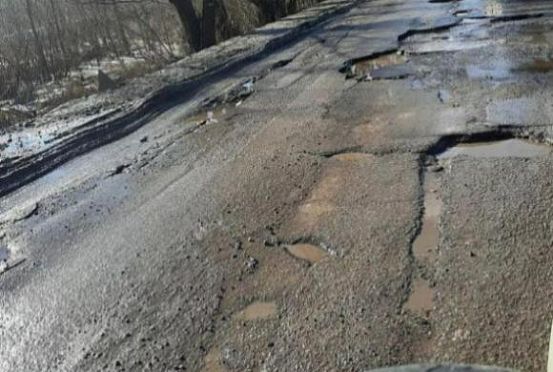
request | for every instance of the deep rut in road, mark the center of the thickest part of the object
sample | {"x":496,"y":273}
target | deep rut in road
{"x":425,"y":249}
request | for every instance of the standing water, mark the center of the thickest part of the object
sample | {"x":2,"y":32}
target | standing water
{"x":511,"y":148}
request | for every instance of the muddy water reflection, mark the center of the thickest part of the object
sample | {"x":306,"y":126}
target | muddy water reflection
{"x":426,"y":243}
{"x":420,"y":301}
{"x":516,"y":148}
{"x":307,"y":252}
{"x":258,"y":310}
{"x":365,"y":67}
{"x":425,"y":246}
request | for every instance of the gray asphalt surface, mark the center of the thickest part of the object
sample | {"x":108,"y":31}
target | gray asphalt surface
{"x":173,"y":248}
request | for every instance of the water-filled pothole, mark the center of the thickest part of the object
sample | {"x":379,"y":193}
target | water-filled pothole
{"x":421,"y":298}
{"x":425,"y":246}
{"x":509,"y":148}
{"x":380,"y":61}
{"x":388,"y":65}
{"x":426,"y":243}
{"x":258,"y":310}
{"x":307,"y":252}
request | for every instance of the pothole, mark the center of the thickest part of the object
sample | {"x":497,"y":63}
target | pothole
{"x":257,"y":311}
{"x":508,"y":148}
{"x":426,"y":243}
{"x":370,"y":64}
{"x":385,"y":65}
{"x":306,"y":252}
{"x":421,"y":298}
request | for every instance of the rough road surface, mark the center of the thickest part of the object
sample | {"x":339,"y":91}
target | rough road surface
{"x":381,"y":195}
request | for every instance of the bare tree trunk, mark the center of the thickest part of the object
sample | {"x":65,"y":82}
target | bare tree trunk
{"x":209,"y":17}
{"x":190,"y":22}
{"x":121,"y":29}
{"x":59,"y":35}
{"x":38,"y":43}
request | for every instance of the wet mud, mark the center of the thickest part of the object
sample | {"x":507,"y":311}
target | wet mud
{"x":426,"y":244}
{"x":258,"y":311}
{"x":421,"y":298}
{"x":307,"y":252}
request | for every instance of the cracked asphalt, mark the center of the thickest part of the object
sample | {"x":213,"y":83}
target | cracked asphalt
{"x":316,"y":224}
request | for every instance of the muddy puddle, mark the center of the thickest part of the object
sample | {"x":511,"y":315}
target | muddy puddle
{"x":426,"y":244}
{"x":307,"y":252}
{"x":257,"y":311}
{"x":381,"y":61}
{"x":421,"y":298}
{"x":392,"y":65}
{"x":517,"y":148}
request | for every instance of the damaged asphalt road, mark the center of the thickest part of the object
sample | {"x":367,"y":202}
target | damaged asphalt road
{"x":380,"y":196}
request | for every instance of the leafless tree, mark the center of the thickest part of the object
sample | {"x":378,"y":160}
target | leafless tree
{"x":45,"y":42}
